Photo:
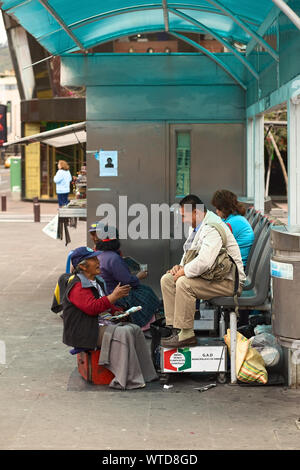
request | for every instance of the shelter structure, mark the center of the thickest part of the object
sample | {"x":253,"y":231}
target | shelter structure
{"x":175,"y":122}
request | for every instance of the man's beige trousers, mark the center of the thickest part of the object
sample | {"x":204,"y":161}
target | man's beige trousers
{"x":180,"y":298}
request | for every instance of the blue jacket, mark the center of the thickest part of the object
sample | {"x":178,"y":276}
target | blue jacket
{"x":114,"y":270}
{"x":242,"y":232}
{"x":62,"y":179}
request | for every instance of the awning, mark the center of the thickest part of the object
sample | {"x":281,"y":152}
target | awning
{"x":61,"y":137}
{"x":68,"y":26}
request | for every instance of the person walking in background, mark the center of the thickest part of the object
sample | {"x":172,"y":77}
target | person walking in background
{"x":62,"y":179}
{"x":232,"y":213}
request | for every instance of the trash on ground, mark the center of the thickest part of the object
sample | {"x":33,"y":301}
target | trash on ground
{"x":168,"y":386}
{"x":269,"y":348}
{"x":206,"y":387}
{"x":263,"y":329}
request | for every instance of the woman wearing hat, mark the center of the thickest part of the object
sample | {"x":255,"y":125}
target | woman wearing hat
{"x":115,"y":270}
{"x":88,"y":323}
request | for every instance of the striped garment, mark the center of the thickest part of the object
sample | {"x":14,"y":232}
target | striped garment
{"x":144,"y":296}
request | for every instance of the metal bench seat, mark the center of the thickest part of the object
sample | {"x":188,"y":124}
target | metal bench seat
{"x":255,"y":220}
{"x":250,"y":214}
{"x":259,"y":294}
{"x":255,"y":254}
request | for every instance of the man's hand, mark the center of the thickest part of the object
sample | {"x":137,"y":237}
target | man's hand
{"x":174,"y":270}
{"x":119,"y":292}
{"x":179,"y":273}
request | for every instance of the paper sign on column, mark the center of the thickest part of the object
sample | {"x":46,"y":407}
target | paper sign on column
{"x":108,"y":163}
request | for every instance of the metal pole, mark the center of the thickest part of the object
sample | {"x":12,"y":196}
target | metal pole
{"x":293,"y":162}
{"x":3,"y":203}
{"x":36,"y":210}
{"x":288,"y":12}
{"x":233,"y":329}
{"x":259,"y":164}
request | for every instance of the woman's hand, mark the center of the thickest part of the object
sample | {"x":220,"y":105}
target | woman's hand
{"x":142,"y":275}
{"x":119,"y":292}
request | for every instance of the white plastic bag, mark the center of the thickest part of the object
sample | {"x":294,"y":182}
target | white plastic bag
{"x":267,"y":345}
{"x":51,"y":229}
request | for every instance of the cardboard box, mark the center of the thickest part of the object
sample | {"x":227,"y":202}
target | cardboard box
{"x":210,"y":355}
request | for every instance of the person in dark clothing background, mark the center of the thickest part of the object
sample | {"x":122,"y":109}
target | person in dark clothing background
{"x":115,"y":270}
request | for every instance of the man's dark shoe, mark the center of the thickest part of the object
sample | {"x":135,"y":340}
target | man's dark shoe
{"x":173,"y":342}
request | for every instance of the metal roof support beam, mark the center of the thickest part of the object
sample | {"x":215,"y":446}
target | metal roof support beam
{"x":100,"y":16}
{"x":60,"y":131}
{"x":245,"y":27}
{"x":200,"y":25}
{"x":166,"y":14}
{"x":38,"y":62}
{"x":211,"y":56}
{"x":288,"y":12}
{"x":62,"y":24}
{"x":120,"y":11}
{"x":269,"y":20}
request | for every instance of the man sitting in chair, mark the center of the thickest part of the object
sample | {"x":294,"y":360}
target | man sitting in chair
{"x":182,"y":284}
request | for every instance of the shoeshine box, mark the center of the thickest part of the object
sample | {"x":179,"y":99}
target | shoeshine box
{"x":209,"y":355}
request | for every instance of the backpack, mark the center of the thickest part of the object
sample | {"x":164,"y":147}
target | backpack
{"x":60,"y":290}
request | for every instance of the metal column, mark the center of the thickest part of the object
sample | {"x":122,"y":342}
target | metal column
{"x":293,"y":163}
{"x":259,"y":164}
{"x":250,"y":159}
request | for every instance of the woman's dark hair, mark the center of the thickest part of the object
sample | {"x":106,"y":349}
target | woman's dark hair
{"x":108,"y":245}
{"x":192,"y":200}
{"x":227,"y":202}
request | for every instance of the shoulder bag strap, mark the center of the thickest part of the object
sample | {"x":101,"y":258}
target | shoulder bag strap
{"x":222,"y":234}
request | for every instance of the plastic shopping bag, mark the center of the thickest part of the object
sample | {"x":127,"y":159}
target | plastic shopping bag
{"x":51,"y":229}
{"x":250,"y":365}
{"x":269,"y":348}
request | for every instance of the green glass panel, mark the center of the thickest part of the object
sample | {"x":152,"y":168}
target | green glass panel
{"x":183,"y":163}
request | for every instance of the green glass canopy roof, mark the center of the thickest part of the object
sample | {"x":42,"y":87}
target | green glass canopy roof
{"x":67,"y":26}
{"x":63,"y":26}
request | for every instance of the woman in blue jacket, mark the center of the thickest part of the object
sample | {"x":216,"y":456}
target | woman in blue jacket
{"x":232,"y":212}
{"x":114,"y":270}
{"x":62,"y":179}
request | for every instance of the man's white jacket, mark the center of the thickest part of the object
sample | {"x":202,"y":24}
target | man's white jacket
{"x":208,"y":243}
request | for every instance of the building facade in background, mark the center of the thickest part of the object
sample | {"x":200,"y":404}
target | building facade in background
{"x":10,"y":97}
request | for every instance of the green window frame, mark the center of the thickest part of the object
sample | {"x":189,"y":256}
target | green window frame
{"x":183,"y":163}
